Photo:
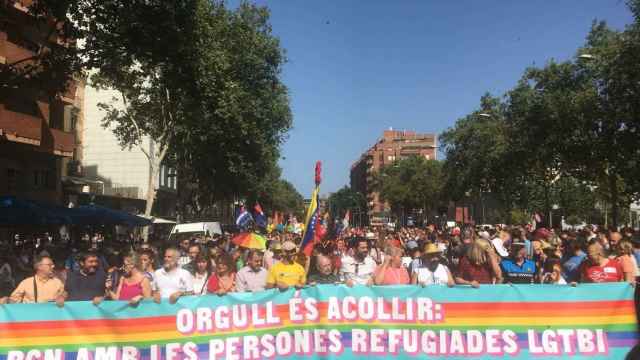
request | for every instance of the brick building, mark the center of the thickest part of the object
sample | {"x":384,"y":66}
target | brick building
{"x":40,"y":135}
{"x":394,"y":145}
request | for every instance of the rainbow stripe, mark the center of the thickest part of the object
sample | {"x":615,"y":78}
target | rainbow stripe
{"x":518,"y":308}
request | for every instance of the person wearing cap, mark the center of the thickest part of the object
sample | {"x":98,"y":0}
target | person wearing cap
{"x":432,"y":271}
{"x":358,"y":269}
{"x":517,"y":269}
{"x":286,"y":272}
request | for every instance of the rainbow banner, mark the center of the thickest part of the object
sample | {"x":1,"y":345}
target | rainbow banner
{"x":327,"y":321}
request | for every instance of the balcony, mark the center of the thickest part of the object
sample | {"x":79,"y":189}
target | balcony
{"x":22,"y":128}
{"x":63,"y":143}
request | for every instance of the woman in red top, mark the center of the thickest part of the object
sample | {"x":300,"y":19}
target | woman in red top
{"x":133,"y":285}
{"x":479,"y":265}
{"x":224,"y":279}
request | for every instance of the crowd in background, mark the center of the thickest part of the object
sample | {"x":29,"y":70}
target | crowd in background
{"x":97,"y":270}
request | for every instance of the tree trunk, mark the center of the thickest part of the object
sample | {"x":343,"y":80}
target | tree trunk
{"x":155,"y":158}
{"x":613,"y":191}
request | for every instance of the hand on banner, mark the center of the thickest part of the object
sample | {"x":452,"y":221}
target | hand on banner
{"x":135,"y":301}
{"x":282,"y":286}
{"x":157,"y":298}
{"x":60,"y":300}
{"x":3,"y":300}
{"x":349,"y":283}
{"x":173,"y":298}
{"x":97,"y":300}
{"x":474,"y":284}
{"x":573,"y":284}
{"x":370,"y":282}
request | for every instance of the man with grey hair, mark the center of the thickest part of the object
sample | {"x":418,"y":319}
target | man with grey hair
{"x":325,"y":273}
{"x":42,"y":287}
{"x":171,"y":281}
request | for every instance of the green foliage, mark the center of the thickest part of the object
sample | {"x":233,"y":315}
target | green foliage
{"x":475,"y":148}
{"x":564,"y":130}
{"x":573,"y":220}
{"x":411,"y":183}
{"x":344,"y":199}
{"x":518,"y":217}
{"x":201,"y":80}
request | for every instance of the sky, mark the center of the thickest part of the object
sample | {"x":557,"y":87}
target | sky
{"x":356,"y":68}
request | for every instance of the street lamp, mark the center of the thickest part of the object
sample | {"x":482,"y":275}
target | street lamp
{"x":586,"y":57}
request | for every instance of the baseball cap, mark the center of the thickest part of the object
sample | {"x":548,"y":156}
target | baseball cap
{"x":288,"y":246}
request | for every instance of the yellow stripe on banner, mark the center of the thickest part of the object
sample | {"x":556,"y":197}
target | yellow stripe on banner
{"x":79,"y":338}
{"x":533,"y":321}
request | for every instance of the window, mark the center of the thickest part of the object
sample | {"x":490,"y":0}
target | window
{"x":42,"y":179}
{"x":161,"y":175}
{"x":391,"y":158}
{"x":73,"y":118}
{"x":12,"y":179}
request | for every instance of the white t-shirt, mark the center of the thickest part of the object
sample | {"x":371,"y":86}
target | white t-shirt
{"x":171,"y":282}
{"x":438,"y":277}
{"x":358,"y":272}
{"x":199,"y":287}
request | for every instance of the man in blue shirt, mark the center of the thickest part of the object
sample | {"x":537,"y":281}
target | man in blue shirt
{"x":517,"y":269}
{"x":571,"y":267}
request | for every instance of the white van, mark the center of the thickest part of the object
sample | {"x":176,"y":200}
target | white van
{"x":182,"y":231}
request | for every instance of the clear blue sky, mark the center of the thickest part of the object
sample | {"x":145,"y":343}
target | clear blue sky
{"x":417,"y":65}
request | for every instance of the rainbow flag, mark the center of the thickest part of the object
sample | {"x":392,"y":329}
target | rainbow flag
{"x":590,"y":321}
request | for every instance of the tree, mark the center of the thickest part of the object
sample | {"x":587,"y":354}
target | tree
{"x":411,"y":183}
{"x":475,"y":150}
{"x":345,"y":199}
{"x":201,"y":82}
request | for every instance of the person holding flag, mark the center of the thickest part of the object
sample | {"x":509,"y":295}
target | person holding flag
{"x":259,"y":217}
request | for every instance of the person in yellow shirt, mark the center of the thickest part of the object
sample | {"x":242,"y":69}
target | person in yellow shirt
{"x":286,"y":272}
{"x":40,"y":288}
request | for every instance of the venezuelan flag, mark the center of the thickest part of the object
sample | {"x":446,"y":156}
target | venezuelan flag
{"x":312,"y":223}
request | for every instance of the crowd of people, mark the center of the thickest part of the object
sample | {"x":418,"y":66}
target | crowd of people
{"x":428,"y":256}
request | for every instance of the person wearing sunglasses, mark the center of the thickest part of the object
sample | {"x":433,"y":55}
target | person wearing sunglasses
{"x":286,"y":272}
{"x":40,"y":288}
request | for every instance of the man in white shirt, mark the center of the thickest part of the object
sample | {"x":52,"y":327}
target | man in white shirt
{"x":252,"y":277}
{"x":359,"y":268}
{"x":171,"y":281}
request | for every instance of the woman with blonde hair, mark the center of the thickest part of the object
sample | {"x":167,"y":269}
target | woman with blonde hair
{"x":479,"y":265}
{"x":133,"y":285}
{"x":624,"y":255}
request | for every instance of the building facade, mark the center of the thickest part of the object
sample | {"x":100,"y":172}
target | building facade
{"x":39,"y":134}
{"x":393,"y":145}
{"x":115,"y":176}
